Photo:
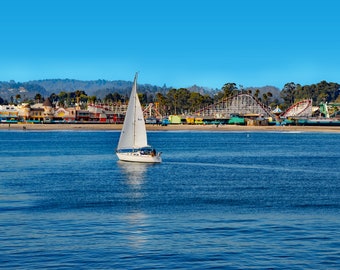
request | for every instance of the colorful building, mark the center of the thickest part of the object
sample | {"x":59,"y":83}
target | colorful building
{"x":8,"y":113}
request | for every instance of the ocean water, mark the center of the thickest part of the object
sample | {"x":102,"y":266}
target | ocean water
{"x":219,"y":200}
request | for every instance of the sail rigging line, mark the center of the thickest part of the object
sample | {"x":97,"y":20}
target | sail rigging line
{"x":133,"y":143}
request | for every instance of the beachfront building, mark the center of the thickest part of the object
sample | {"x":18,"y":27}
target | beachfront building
{"x":8,"y":113}
{"x":47,"y":113}
{"x":64,"y":115}
{"x":24,"y":111}
{"x":83,"y":115}
{"x":36,"y":113}
{"x":175,"y":119}
{"x":97,"y":114}
{"x":104,"y":114}
{"x":48,"y":110}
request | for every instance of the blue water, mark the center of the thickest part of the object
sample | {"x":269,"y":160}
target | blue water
{"x":228,"y":200}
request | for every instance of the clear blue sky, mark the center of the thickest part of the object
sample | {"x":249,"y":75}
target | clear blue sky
{"x":174,"y":42}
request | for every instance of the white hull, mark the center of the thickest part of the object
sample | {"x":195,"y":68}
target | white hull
{"x":137,"y":157}
{"x":133,"y":143}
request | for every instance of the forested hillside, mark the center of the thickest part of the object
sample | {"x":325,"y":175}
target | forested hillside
{"x":320,"y":92}
{"x":182,"y":99}
{"x":99,"y":88}
{"x":10,"y":91}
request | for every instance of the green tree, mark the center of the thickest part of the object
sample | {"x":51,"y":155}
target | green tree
{"x":113,"y":97}
{"x":257,"y":93}
{"x":162,"y":103}
{"x":183,"y":96}
{"x":143,"y":98}
{"x":62,"y":96}
{"x":54,"y":98}
{"x":288,"y":94}
{"x":92,"y":99}
{"x":17,"y":98}
{"x":38,"y":98}
{"x":195,"y":101}
{"x":171,"y":100}
{"x":264,"y":98}
{"x":207,"y":100}
{"x":268,"y":99}
{"x":229,"y":89}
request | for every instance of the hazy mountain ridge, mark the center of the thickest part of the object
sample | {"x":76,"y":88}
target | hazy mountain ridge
{"x":99,"y":88}
{"x":9,"y":90}
{"x":90,"y":87}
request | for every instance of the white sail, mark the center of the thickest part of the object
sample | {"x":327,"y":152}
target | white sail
{"x":133,"y":145}
{"x":133,"y":134}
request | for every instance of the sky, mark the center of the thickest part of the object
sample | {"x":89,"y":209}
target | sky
{"x":178,"y":43}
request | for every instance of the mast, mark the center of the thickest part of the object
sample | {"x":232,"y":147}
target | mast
{"x":133,"y":133}
{"x":135,"y":109}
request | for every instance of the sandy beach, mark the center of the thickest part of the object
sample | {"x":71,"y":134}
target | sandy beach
{"x":171,"y":127}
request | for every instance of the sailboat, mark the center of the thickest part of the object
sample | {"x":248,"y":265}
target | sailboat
{"x":133,"y":144}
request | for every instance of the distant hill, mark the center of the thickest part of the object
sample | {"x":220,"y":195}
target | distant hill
{"x":90,"y":87}
{"x":9,"y":90}
{"x":100,"y":88}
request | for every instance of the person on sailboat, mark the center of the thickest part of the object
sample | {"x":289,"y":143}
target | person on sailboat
{"x":133,"y":145}
{"x":153,"y":152}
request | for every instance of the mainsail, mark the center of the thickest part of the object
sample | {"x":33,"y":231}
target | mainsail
{"x":133,"y":134}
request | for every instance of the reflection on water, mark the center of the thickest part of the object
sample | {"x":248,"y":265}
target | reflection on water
{"x":137,"y":227}
{"x":135,"y":173}
{"x":136,"y":220}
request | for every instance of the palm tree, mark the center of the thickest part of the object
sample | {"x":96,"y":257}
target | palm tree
{"x":265,"y":98}
{"x":269,"y":96}
{"x":229,"y":89}
{"x":37,"y":98}
{"x":92,"y":99}
{"x":257,"y":92}
{"x":17,"y":97}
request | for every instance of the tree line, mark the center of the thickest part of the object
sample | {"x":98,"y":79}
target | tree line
{"x":183,"y":101}
{"x":322,"y":92}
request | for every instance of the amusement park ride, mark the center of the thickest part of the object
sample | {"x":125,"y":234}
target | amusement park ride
{"x":239,"y":109}
{"x":247,"y":106}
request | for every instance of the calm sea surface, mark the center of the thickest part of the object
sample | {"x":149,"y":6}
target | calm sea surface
{"x":228,"y":200}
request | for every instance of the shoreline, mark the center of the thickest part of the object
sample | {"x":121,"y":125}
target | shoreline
{"x":118,"y":127}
